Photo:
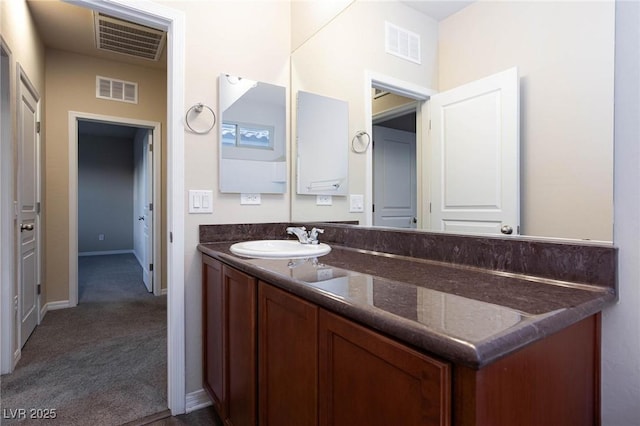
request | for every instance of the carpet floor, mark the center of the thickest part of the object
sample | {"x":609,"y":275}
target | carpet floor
{"x":100,"y":363}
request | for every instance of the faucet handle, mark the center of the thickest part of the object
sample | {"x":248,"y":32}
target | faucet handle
{"x":313,"y":235}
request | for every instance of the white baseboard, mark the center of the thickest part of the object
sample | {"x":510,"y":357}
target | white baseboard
{"x":197,"y":400}
{"x":164,"y":292}
{"x":53,"y":306}
{"x":103,"y":253}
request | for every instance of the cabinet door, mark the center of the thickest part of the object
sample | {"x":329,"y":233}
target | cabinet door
{"x":288,"y":347}
{"x":240,"y":347}
{"x":212,"y":331}
{"x":368,"y":379}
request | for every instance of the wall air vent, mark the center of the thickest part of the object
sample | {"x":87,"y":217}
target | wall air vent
{"x":402,"y":43}
{"x":127,"y":38}
{"x":116,"y":90}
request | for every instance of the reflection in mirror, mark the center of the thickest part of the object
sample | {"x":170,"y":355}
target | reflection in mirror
{"x":252,"y":136}
{"x":322,"y":161}
{"x":565,"y":73}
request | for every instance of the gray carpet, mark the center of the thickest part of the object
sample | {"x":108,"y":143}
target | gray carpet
{"x":101,"y":363}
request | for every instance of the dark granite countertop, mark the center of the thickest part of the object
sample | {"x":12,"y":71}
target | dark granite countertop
{"x":466,"y":315}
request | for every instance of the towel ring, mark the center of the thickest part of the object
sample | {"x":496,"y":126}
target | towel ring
{"x":198,"y":109}
{"x":359,"y":137}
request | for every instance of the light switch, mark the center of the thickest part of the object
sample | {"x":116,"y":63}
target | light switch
{"x":200,"y":201}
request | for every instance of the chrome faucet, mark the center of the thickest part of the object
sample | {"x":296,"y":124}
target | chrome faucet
{"x":300,"y":232}
{"x":313,"y":235}
{"x":305,"y":237}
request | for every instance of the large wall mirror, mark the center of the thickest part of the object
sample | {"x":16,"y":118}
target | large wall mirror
{"x":564,"y":56}
{"x":252,"y":136}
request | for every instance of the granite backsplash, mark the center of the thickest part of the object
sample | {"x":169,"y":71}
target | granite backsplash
{"x":576,"y":262}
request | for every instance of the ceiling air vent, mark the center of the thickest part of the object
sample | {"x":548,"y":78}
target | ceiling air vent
{"x":127,"y":38}
{"x":402,"y":43}
{"x":116,"y":90}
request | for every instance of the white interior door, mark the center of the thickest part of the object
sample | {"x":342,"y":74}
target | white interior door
{"x":475,"y":150}
{"x":28,"y":209}
{"x":394,"y":178}
{"x":147,"y":264}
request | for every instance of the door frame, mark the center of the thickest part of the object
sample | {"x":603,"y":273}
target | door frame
{"x":7,"y":216}
{"x":409,"y":90}
{"x":156,"y":129}
{"x":156,"y":15}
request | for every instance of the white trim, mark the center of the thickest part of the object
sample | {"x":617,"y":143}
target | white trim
{"x":106,"y":252}
{"x":7,"y":252}
{"x":164,"y":292}
{"x":197,"y":400}
{"x":163,"y":17}
{"x":60,"y":304}
{"x":400,"y":87}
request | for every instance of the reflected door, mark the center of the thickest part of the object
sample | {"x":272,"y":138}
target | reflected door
{"x":394,"y":178}
{"x":475,"y":151}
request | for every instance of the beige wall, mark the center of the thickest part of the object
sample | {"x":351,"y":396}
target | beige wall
{"x":564,"y":53}
{"x":71,"y":82}
{"x":308,"y":17}
{"x":21,"y":37}
{"x":245,"y":38}
{"x":333,"y":63}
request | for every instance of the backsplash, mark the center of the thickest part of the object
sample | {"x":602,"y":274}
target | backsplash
{"x":565,"y":261}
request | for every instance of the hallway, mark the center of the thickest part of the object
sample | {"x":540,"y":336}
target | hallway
{"x":101,"y":363}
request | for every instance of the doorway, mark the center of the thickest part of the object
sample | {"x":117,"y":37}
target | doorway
{"x":394,"y":164}
{"x":136,"y":186}
{"x":401,"y":106}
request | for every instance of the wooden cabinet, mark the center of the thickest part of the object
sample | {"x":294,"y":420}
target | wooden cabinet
{"x":212,"y":332}
{"x":272,"y":358}
{"x":368,"y":379}
{"x":230,"y":340}
{"x":288,"y":360}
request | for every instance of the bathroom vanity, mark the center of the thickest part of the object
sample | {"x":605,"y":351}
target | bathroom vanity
{"x":386,"y":329}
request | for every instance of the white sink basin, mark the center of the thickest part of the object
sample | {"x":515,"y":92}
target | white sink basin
{"x":279,"y":249}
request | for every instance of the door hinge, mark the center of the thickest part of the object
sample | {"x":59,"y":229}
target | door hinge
{"x":429,"y":124}
{"x":429,"y":207}
{"x":373,"y":208}
{"x":170,"y":237}
{"x":150,"y":207}
{"x":39,"y":289}
{"x":38,"y":208}
{"x":151,"y":267}
{"x":37,"y":127}
{"x":151,"y":147}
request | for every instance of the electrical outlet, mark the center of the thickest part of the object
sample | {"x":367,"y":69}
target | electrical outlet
{"x":250,"y":199}
{"x":324,"y":200}
{"x":356,"y":203}
{"x":100,"y":237}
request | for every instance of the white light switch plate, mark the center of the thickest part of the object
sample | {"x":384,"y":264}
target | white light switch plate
{"x":324,"y":200}
{"x":200,"y":201}
{"x":250,"y":199}
{"x":356,"y":203}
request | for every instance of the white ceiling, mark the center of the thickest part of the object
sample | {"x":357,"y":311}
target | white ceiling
{"x":438,"y":9}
